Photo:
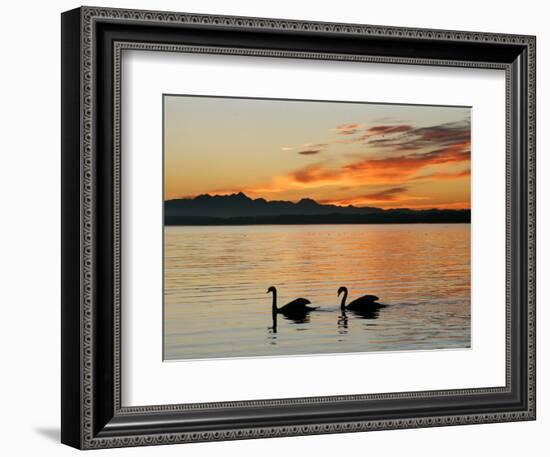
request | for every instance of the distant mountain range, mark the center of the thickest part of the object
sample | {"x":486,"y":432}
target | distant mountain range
{"x":239,"y":209}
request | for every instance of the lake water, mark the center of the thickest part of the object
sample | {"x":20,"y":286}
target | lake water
{"x":216,"y":280}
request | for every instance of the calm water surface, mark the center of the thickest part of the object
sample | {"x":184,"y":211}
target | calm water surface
{"x":216,"y":280}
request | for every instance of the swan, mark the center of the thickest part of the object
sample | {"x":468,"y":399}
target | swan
{"x":366,"y":302}
{"x":295,"y":308}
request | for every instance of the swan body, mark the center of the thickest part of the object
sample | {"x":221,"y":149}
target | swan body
{"x":299,"y":306}
{"x":366,"y":302}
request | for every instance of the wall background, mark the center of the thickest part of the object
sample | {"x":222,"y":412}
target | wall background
{"x":30,"y":241}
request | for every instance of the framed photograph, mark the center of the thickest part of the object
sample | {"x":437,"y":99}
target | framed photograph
{"x":273,"y":227}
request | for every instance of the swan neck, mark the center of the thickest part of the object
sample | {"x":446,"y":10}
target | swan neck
{"x":343,"y":305}
{"x":274,"y":307}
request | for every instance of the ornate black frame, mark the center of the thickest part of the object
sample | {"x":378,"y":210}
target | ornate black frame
{"x":92,"y":42}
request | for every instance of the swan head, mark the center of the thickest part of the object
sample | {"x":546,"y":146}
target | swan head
{"x":342,"y":289}
{"x":271,"y":289}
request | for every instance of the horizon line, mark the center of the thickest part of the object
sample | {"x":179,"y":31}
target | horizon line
{"x":189,"y":197}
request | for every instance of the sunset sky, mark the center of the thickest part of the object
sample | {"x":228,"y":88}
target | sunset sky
{"x":389,"y":156}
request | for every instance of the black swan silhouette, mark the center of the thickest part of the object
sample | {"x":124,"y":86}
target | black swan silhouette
{"x":296,"y":309}
{"x":364,"y":303}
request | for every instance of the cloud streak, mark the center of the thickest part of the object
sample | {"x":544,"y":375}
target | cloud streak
{"x":348,"y":129}
{"x":387,"y":129}
{"x":307,"y":148}
{"x":390,"y":194}
{"x":309,"y":152}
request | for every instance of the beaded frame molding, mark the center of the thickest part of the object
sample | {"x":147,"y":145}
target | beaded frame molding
{"x":92,"y":43}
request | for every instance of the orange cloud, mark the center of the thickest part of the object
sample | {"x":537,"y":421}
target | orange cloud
{"x":410,"y":163}
{"x":398,"y":171}
{"x":442,"y":176}
{"x":315,"y":173}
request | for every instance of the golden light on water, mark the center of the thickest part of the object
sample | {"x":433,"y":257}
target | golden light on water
{"x":216,"y":280}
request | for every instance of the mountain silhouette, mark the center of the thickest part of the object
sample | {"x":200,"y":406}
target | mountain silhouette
{"x":237,"y":209}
